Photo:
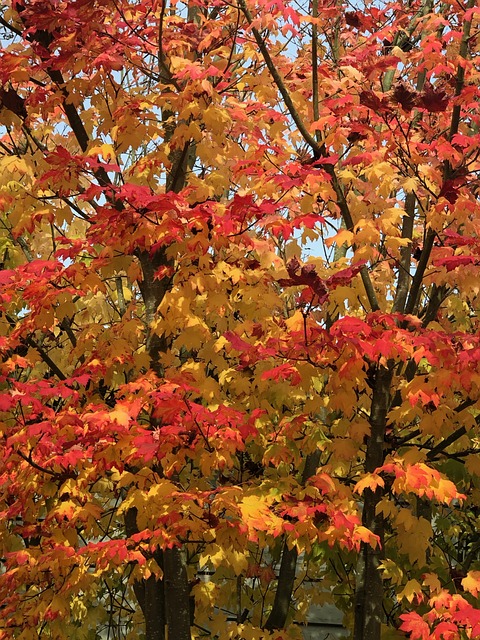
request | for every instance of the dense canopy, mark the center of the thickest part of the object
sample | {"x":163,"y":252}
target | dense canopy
{"x":239,"y":334}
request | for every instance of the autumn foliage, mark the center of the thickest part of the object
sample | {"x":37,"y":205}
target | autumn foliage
{"x":239,"y":334}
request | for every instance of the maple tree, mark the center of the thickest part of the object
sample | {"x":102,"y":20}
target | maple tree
{"x":239,"y":318}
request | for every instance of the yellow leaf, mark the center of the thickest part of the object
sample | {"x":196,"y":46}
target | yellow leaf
{"x":206,"y":594}
{"x":472,"y":463}
{"x":58,"y":605}
{"x":258,"y":517}
{"x":78,"y":609}
{"x":216,"y":119}
{"x":391,"y":571}
{"x":369,"y":481}
{"x":414,"y":536}
{"x":120,"y":416}
{"x":306,"y":204}
{"x":431,"y":581}
{"x":386,"y":507}
{"x":365,"y":535}
{"x":218,"y":556}
{"x":162,"y":489}
{"x":471,"y":582}
{"x":105,"y":150}
{"x":410,"y":591}
{"x":406,"y":518}
{"x":342,"y":237}
{"x":410,"y":185}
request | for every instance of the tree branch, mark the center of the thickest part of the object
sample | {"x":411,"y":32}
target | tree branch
{"x":316,"y":113}
{"x":460,"y":78}
{"x":318,"y":149}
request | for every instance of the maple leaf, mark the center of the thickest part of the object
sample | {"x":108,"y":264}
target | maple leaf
{"x":446,"y":630}
{"x":471,"y":582}
{"x":352,"y":18}
{"x":405,"y":96}
{"x":283,"y":372}
{"x":257,"y":517}
{"x":433,"y":99}
{"x":307,"y":276}
{"x":412,"y":591}
{"x":344,"y":276}
{"x":370,"y":481}
{"x":450,"y":190}
{"x":457,"y":240}
{"x":415,"y":625}
{"x":376,"y":103}
{"x":453,"y":262}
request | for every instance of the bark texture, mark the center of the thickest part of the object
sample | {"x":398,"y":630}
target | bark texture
{"x":177,"y":598}
{"x":369,"y":587}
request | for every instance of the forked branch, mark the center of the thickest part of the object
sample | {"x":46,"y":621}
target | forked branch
{"x":319,"y":150}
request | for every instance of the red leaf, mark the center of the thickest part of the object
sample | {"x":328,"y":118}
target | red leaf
{"x":433,"y":100}
{"x":345,"y":276}
{"x":352,"y":18}
{"x":375,"y":103}
{"x":452,"y":262}
{"x":415,"y":625}
{"x":453,"y":239}
{"x":284,"y":371}
{"x":237,"y":343}
{"x":406,"y":97}
{"x":307,"y":276}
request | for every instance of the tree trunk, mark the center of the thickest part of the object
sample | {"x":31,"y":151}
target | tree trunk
{"x":288,"y":566}
{"x":154,"y":609}
{"x":283,"y":594}
{"x":177,"y":594}
{"x":149,"y":593}
{"x":369,"y":587}
{"x":166,"y":602}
